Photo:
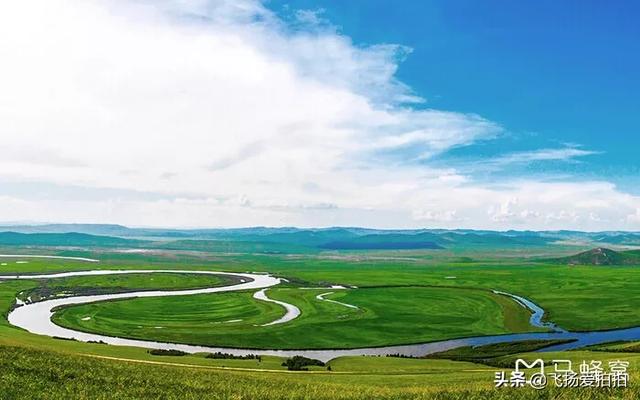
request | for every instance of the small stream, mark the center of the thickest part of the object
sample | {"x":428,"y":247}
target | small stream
{"x":537,"y":313}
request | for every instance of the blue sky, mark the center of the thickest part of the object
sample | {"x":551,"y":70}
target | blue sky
{"x":551,"y":73}
{"x":229,"y":113}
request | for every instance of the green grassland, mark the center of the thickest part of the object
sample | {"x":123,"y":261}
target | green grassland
{"x":197,"y":319}
{"x":391,"y":315}
{"x":565,"y":292}
{"x":32,"y":373}
{"x":437,"y":296}
{"x":619,"y":346}
{"x":159,"y":280}
{"x":29,"y":373}
{"x":495,"y":354}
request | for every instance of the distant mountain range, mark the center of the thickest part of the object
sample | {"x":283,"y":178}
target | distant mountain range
{"x":63,"y":239}
{"x":263,"y":239}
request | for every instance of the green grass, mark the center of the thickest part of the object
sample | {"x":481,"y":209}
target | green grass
{"x":385,"y":316}
{"x":40,"y":367}
{"x":394,"y":365}
{"x":620,"y":346}
{"x":490,"y":354}
{"x":37,"y":374}
{"x":173,"y":281}
{"x":197,"y":319}
{"x":565,"y":292}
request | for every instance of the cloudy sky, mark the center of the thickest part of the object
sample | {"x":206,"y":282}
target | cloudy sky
{"x":229,"y":113}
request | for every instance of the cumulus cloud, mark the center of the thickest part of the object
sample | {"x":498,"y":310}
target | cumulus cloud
{"x":223,"y":114}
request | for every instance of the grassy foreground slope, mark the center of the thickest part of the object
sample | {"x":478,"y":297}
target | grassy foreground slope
{"x":385,"y":316}
{"x":37,"y":374}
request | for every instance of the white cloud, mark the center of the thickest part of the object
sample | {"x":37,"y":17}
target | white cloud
{"x":504,"y":211}
{"x":218,"y":113}
{"x":523,"y":157}
{"x":429,"y":216}
{"x":311,"y":17}
{"x":635,"y":217}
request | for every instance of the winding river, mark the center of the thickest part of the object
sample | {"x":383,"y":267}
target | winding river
{"x":321,"y":297}
{"x":36,"y":318}
{"x":292,"y":311}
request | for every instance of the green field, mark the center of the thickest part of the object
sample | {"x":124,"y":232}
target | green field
{"x":392,"y":315}
{"x":29,"y":373}
{"x":565,"y":292}
{"x":158,"y":280}
{"x":402,"y":297}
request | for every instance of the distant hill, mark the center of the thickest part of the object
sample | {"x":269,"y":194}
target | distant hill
{"x":285,"y":239}
{"x":90,"y":229}
{"x":602,"y":256}
{"x":620,"y":238}
{"x":493,"y":239}
{"x":382,"y":242}
{"x":63,"y":239}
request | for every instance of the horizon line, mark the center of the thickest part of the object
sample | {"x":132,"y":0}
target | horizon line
{"x":316,"y":228}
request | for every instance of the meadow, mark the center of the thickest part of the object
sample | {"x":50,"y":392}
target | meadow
{"x":385,"y":316}
{"x":402,"y":297}
{"x":567,"y":293}
{"x":37,"y":374}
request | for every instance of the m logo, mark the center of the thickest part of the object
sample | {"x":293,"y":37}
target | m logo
{"x":522,"y":364}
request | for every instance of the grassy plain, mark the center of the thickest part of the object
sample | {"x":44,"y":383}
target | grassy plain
{"x":566,"y":293}
{"x":390,"y":315}
{"x":574,"y":297}
{"x":41,"y":367}
{"x":36,"y":374}
{"x":197,"y":319}
{"x":169,"y":281}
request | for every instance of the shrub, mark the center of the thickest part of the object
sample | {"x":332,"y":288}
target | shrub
{"x":170,"y":352}
{"x":298,"y":363}
{"x":226,"y":356}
